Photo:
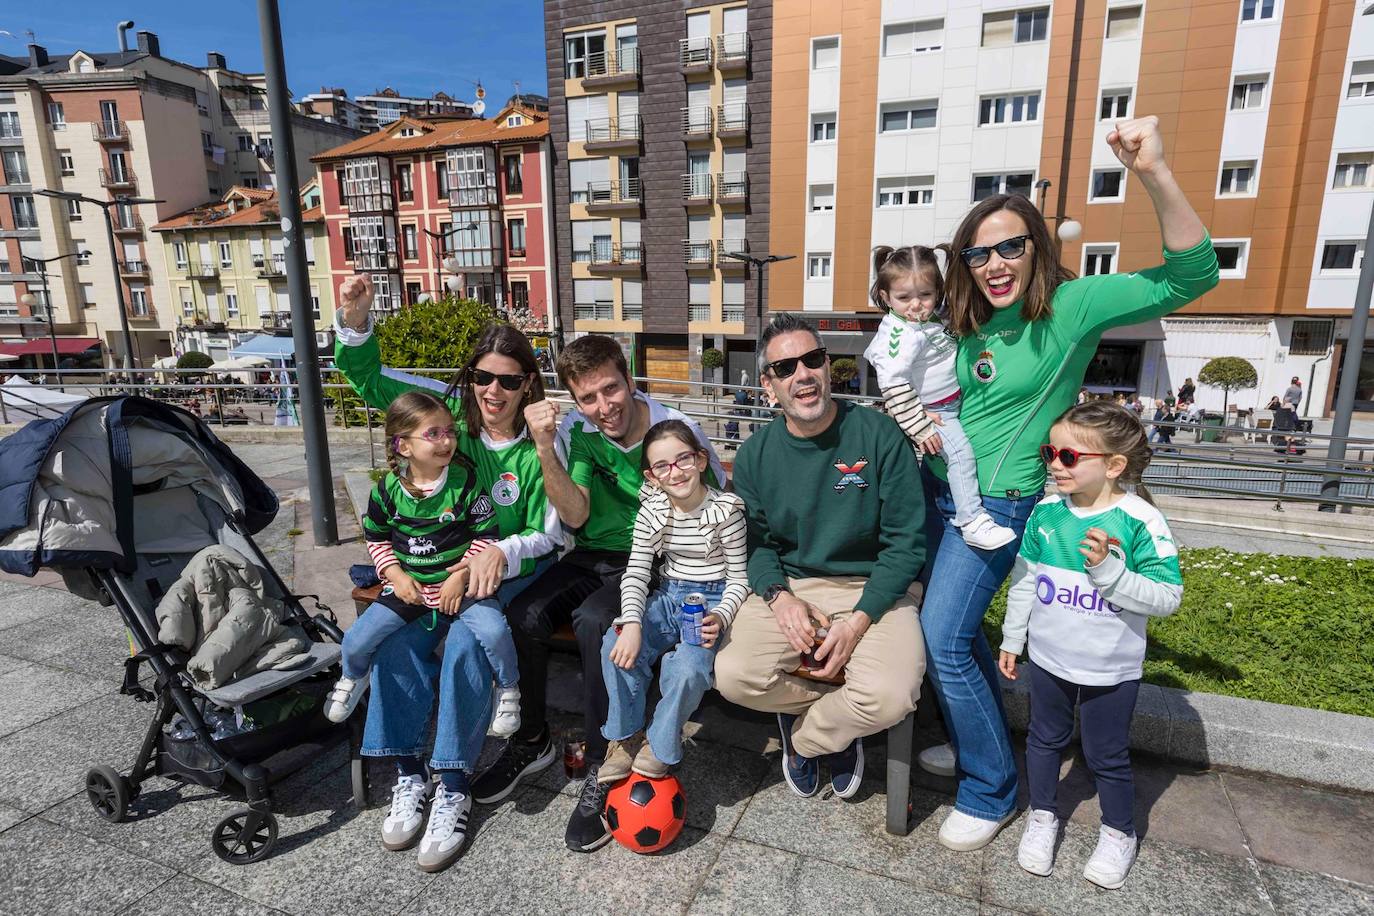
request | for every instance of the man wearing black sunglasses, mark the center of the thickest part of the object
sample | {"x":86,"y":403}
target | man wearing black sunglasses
{"x":833,"y":498}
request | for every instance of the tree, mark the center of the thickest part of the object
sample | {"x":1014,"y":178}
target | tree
{"x":194,"y":359}
{"x":1229,"y":373}
{"x":842,"y":371}
{"x":438,"y":334}
{"x":711,"y":358}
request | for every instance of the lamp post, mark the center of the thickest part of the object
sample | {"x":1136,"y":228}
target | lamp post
{"x":759,"y":262}
{"x":105,"y":206}
{"x":1067,"y":229}
{"x":450,"y":263}
{"x":47,"y":303}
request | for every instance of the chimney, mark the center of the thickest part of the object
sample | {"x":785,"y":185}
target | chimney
{"x":38,"y":56}
{"x":148,"y":44}
{"x":215,"y":61}
{"x":121,"y":29}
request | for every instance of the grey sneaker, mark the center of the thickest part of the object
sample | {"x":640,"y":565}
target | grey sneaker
{"x":402,"y":826}
{"x":447,"y":832}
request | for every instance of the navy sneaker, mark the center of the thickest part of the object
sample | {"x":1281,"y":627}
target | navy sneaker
{"x":847,"y":769}
{"x":803,"y":773}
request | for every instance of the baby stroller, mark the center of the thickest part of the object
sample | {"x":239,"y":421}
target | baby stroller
{"x":118,"y":494}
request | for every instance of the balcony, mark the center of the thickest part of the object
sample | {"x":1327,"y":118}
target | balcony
{"x":732,"y":188}
{"x":127,"y":224}
{"x":199,"y":271}
{"x":631,"y":311}
{"x":614,"y":196}
{"x":728,"y":264}
{"x":120,"y":181}
{"x":10,"y":134}
{"x":130,"y":267}
{"x":695,"y":55}
{"x":272,"y":267}
{"x":732,"y":52}
{"x":698,"y":123}
{"x":141,"y":310}
{"x":732,"y":121}
{"x":609,"y":135}
{"x":110,"y":131}
{"x":697,"y":189}
{"x":616,"y":259}
{"x":276,"y":321}
{"x":732,"y":314}
{"x":611,"y":69}
{"x":601,"y":310}
{"x":697,"y":255}
{"x":696,"y":312}
{"x":386,"y":260}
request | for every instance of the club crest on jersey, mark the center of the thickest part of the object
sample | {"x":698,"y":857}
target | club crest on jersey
{"x":984,"y":369}
{"x":506,"y":490}
{"x":481,"y":509}
{"x":849,"y":473}
{"x":447,"y":516}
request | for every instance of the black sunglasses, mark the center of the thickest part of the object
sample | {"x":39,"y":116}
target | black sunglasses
{"x":1009,"y":249}
{"x":785,"y":368}
{"x":1068,"y":457}
{"x":482,"y":378}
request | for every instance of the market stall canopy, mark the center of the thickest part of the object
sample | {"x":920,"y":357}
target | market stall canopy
{"x":267,"y":345}
{"x":25,"y":401}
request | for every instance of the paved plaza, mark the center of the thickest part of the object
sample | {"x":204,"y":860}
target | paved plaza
{"x":1213,"y":842}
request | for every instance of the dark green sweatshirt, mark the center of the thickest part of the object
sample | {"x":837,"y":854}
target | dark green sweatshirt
{"x":845,"y":503}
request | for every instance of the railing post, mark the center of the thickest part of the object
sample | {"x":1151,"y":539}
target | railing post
{"x":1283,"y":485}
{"x":371,"y":447}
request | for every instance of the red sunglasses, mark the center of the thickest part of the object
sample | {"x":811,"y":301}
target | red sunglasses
{"x":1068,"y":457}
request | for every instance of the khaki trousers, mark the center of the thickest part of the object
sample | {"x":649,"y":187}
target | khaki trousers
{"x":882,"y":678}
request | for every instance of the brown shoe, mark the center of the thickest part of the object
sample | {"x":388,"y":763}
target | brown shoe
{"x":617,"y":764}
{"x":646,"y":764}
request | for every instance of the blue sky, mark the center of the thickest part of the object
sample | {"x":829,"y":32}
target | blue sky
{"x":415,"y":46}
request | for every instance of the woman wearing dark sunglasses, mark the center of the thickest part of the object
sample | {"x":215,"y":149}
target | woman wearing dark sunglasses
{"x":1027,"y":330}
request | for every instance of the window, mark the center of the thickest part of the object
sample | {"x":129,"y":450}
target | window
{"x":577,"y":48}
{"x":1009,"y":109}
{"x":410,"y":243}
{"x":1354,"y":170}
{"x":515,"y":180}
{"x":472,"y":177}
{"x":188,"y":302}
{"x":231,"y":304}
{"x":903,"y":116}
{"x":25,"y":216}
{"x":179,"y":253}
{"x":1311,"y":337}
{"x":262,"y":299}
{"x":9,"y":305}
{"x":1361,"y":80}
{"x":1015,"y":26}
{"x":441,"y":177}
{"x":515,"y":231}
{"x":1108,"y":184}
{"x":57,"y":117}
{"x":825,"y":53}
{"x":1345,"y":255}
{"x":226,"y":256}
{"x":985,"y":186}
{"x":66,"y":163}
{"x":821,"y":197}
{"x":348,"y":243}
{"x":908,"y":191}
{"x":9,"y":125}
{"x":404,"y":184}
{"x":1256,"y":10}
{"x":520,"y":296}
{"x":1248,"y":92}
{"x":74,"y":211}
{"x":1237,"y":178}
{"x":595,"y":109}
{"x":913,"y":37}
{"x":1123,"y":22}
{"x":818,"y":266}
{"x":315,"y":302}
{"x":88,"y":295}
{"x":251,"y":183}
{"x":1231,"y":256}
{"x":83,"y":257}
{"x":245,"y":142}
{"x":1099,"y":259}
{"x":412,"y":293}
{"x":1116,"y":103}
{"x":138,"y":301}
{"x":16,"y":166}
{"x":823,"y":127}
{"x":202,"y":103}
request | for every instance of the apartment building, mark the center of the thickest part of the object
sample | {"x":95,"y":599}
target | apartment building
{"x":915,"y":109}
{"x":424,"y":205}
{"x":133,"y":125}
{"x":370,"y":113}
{"x":660,"y":114}
{"x":226,"y":271}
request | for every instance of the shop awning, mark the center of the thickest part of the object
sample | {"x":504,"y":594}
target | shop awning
{"x":67,"y":346}
{"x":1146,"y":330}
{"x":268,"y":345}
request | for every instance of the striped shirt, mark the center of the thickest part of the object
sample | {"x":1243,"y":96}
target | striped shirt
{"x":704,"y":545}
{"x":384,"y":557}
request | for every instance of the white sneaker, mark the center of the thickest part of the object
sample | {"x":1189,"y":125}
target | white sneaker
{"x":985,"y":534}
{"x":965,"y":833}
{"x":447,"y":832}
{"x":938,"y":760}
{"x":343,"y":699}
{"x":402,"y":826}
{"x":1036,"y":852}
{"x":1111,"y":860}
{"x":506,"y":720}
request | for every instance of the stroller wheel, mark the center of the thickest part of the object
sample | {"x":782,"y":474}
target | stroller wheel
{"x":244,"y":836}
{"x":358,"y":771}
{"x":108,"y":793}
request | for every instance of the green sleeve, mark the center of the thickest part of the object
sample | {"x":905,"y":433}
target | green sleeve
{"x":765,"y":564}
{"x":580,"y":463}
{"x":901,"y":525}
{"x":1154,"y":554}
{"x":1031,"y":542}
{"x":1094,"y":304}
{"x":362,"y":365}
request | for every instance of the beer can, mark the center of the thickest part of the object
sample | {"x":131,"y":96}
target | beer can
{"x":808,"y":659}
{"x":692,"y":616}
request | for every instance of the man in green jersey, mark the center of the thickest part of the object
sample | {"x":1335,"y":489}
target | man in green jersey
{"x":597,"y":495}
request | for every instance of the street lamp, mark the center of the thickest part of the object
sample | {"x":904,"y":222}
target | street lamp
{"x":759,"y":262}
{"x":47,"y":302}
{"x":1069,"y":229}
{"x":105,"y":206}
{"x":450,"y":263}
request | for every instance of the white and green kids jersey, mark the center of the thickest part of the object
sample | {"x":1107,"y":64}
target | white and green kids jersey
{"x":1087,"y":624}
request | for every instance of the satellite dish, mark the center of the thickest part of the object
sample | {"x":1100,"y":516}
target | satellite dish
{"x":478,"y":107}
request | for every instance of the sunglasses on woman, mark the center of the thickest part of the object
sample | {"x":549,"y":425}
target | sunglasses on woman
{"x":1007,"y":249}
{"x":1068,"y":457}
{"x":786,"y":368}
{"x":482,"y":378}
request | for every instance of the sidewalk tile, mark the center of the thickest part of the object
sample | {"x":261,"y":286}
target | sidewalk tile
{"x":88,"y":639}
{"x":24,"y":603}
{"x":10,"y":815}
{"x":1301,"y":892}
{"x":34,"y":692}
{"x":748,"y":878}
{"x":183,"y":895}
{"x":66,"y":873}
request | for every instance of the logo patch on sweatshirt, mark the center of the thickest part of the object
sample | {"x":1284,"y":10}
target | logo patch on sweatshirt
{"x":984,"y":369}
{"x":506,"y":490}
{"x":849,"y":473}
{"x":481,"y":510}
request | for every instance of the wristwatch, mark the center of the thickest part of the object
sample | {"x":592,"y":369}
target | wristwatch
{"x":771,"y":593}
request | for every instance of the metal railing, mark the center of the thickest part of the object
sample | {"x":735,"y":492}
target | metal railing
{"x":109,"y":131}
{"x":200,"y":271}
{"x":132,"y":267}
{"x":695,"y":53}
{"x":732,"y":186}
{"x":698,"y":312}
{"x":732,"y":118}
{"x":725,"y":246}
{"x":612,"y":64}
{"x":614,"y":192}
{"x":698,"y":121}
{"x":274,"y":266}
{"x":600,"y":310}
{"x":115,"y":179}
{"x":697,"y":187}
{"x":732,"y":49}
{"x":604,"y":253}
{"x":613,"y":130}
{"x":696,"y":253}
{"x":131,"y":223}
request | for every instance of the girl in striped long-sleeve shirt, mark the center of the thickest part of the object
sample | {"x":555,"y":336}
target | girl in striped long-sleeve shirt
{"x":700,"y":534}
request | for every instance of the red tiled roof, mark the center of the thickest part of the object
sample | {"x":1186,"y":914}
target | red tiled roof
{"x":439,"y":134}
{"x":202,"y":217}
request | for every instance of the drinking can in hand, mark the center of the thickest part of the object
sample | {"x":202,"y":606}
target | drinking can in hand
{"x":693,"y":615}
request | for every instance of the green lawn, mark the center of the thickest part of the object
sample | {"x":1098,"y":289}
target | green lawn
{"x":1293,"y":630}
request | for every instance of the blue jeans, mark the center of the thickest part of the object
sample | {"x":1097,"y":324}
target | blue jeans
{"x":960,"y":583}
{"x":683,"y":680}
{"x":403,"y":687}
{"x":484,"y":619}
{"x":961,"y":467}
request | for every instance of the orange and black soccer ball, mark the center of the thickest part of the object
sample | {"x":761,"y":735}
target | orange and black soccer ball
{"x":645,"y":815}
